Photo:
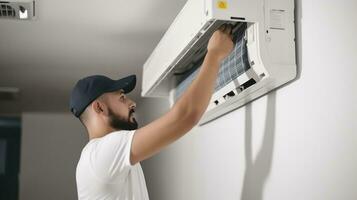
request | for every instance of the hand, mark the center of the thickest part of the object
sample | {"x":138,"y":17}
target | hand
{"x":220,"y":45}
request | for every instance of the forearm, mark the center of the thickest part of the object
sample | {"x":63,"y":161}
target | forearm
{"x":197,"y":96}
{"x":188,"y":110}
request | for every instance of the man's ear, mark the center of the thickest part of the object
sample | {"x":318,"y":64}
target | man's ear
{"x":99,"y":107}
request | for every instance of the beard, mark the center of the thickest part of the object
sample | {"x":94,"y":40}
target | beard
{"x":120,"y":123}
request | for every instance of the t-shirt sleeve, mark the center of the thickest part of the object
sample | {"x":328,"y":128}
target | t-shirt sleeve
{"x":110,"y":158}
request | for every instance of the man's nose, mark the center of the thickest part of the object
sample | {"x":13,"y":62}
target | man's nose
{"x":133,"y":105}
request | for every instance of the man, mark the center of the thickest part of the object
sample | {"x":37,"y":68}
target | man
{"x":109,"y":166}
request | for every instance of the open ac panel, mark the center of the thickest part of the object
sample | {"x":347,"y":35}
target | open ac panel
{"x":263,"y":57}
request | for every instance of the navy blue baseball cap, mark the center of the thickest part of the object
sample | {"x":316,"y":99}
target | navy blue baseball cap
{"x":90,"y":88}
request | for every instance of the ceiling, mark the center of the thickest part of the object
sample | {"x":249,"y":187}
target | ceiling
{"x":71,"y":39}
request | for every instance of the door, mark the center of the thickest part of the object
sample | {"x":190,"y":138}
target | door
{"x":10,"y":131}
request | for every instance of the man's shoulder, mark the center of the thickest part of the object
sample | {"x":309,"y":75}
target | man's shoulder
{"x":115,"y":136}
{"x":105,"y":144}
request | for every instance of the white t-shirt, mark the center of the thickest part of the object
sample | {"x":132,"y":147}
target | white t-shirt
{"x":104,"y":170}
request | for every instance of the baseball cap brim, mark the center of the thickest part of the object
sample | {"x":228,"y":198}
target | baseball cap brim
{"x":127,"y":84}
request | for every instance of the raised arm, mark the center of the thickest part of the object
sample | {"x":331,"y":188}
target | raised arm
{"x":188,"y":110}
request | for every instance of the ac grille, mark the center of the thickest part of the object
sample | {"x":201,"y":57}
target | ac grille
{"x":7,"y":11}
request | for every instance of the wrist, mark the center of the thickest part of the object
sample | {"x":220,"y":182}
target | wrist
{"x":214,"y":56}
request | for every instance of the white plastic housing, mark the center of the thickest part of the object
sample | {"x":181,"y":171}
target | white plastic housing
{"x":270,"y":42}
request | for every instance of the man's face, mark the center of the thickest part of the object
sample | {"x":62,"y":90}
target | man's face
{"x":121,"y":111}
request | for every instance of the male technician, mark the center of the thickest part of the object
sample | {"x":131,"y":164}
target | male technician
{"x":109,"y":166}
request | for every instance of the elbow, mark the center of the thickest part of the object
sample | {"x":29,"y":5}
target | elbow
{"x":194,"y":117}
{"x":187,"y":114}
{"x":189,"y":117}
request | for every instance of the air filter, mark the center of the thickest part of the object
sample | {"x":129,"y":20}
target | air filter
{"x":231,"y":67}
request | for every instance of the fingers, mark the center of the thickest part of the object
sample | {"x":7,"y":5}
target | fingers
{"x":229,"y":29}
{"x":226,"y":28}
{"x":222,"y":27}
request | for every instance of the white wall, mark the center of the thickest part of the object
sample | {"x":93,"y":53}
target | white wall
{"x":297,"y":143}
{"x":50,"y":148}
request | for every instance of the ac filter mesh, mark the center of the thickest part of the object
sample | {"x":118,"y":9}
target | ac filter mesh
{"x":234,"y":65}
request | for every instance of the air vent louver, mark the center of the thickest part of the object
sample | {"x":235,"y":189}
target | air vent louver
{"x":7,"y":11}
{"x":15,"y":9}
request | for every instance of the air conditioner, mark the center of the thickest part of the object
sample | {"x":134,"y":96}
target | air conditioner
{"x":263,"y":57}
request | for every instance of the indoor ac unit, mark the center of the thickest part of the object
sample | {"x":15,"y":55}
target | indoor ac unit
{"x":263,"y":57}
